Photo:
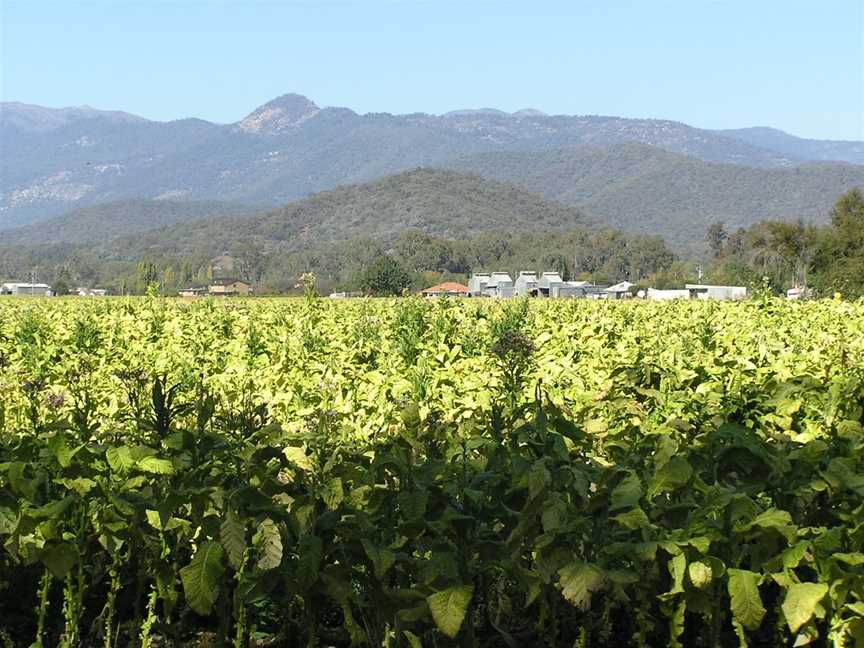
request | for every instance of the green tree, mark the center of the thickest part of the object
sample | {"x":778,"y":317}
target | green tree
{"x":384,"y":276}
{"x":716,"y":237}
{"x":847,"y":218}
{"x":148,"y":274}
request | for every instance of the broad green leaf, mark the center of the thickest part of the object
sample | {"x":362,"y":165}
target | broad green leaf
{"x":700,"y":574}
{"x":298,"y":457}
{"x":670,"y":476}
{"x":538,"y":478}
{"x":851,"y":559}
{"x":747,"y":605}
{"x":382,"y":558}
{"x":633,"y":519}
{"x":268,"y":542}
{"x":554,"y":515}
{"x":154,"y":519}
{"x":120,"y":459}
{"x":201,"y":577}
{"x":793,"y":556}
{"x":800,"y":603}
{"x":59,"y":559}
{"x":579,"y":581}
{"x":413,"y":640}
{"x":677,"y":567}
{"x":596,"y":426}
{"x":333,"y":493}
{"x":627,"y":493}
{"x":310,"y":553}
{"x":775,"y":519}
{"x":449,"y":607}
{"x":232,"y":534}
{"x":156,"y":466}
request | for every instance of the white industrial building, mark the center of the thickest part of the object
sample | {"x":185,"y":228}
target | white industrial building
{"x":29,"y":289}
{"x":704,"y":291}
{"x":665,"y":295}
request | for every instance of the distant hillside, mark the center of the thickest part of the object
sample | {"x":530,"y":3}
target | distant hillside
{"x":52,"y":161}
{"x":442,"y":203}
{"x":797,"y":147}
{"x":645,"y":189}
{"x":112,"y":220}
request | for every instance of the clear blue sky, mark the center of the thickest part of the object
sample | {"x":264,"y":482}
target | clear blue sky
{"x":793,"y":64}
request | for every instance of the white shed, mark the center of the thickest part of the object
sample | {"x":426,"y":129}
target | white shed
{"x":30,"y":289}
{"x":526,"y":283}
{"x":706,"y":291}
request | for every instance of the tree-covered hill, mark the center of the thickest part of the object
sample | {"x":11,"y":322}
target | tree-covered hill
{"x":438,"y":202}
{"x":641,"y":188}
{"x":106,"y":221}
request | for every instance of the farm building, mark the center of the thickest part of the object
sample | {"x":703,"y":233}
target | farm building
{"x":195,"y":291}
{"x":29,"y":289}
{"x":664,"y":295}
{"x":526,"y":284}
{"x":229,"y":287}
{"x":500,"y":284}
{"x":91,"y":292}
{"x":218,"y":288}
{"x":497,"y":284}
{"x":620,"y":290}
{"x":705,"y":291}
{"x":477,"y":283}
{"x":446,"y":289}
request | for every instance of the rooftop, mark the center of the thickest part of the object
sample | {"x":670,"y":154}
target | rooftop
{"x":447,"y":286}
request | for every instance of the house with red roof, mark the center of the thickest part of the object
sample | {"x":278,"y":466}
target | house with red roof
{"x":446,"y":289}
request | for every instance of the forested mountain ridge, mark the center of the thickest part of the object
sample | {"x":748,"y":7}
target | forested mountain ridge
{"x":641,"y":188}
{"x":106,"y":221}
{"x":437,"y":202}
{"x":799,"y":147}
{"x":287,"y":149}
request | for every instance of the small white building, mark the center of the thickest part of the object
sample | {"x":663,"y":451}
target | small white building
{"x":705,"y":291}
{"x":799,"y":293}
{"x":549,"y":284}
{"x":29,"y":289}
{"x":620,"y":290}
{"x":477,"y":283}
{"x":526,"y":283}
{"x":91,"y":292}
{"x":665,"y":295}
{"x":500,"y":284}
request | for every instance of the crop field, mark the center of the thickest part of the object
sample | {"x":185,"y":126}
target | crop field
{"x":410,"y":473}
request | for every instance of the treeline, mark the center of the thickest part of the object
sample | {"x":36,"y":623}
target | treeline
{"x":419,"y":259}
{"x":771,"y":254}
{"x":780,"y":255}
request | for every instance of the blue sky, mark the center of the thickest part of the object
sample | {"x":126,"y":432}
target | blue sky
{"x":796,"y":65}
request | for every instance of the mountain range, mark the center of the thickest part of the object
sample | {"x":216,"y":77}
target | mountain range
{"x":438,"y":202}
{"x":57,"y":160}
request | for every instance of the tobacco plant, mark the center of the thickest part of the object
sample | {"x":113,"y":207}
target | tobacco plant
{"x":418,"y":474}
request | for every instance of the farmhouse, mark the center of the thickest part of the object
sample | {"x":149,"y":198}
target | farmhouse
{"x":219,"y":288}
{"x":446,"y":289}
{"x":29,"y":289}
{"x":229,"y":287}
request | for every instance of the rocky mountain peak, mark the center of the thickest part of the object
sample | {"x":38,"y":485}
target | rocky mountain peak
{"x":283,"y":112}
